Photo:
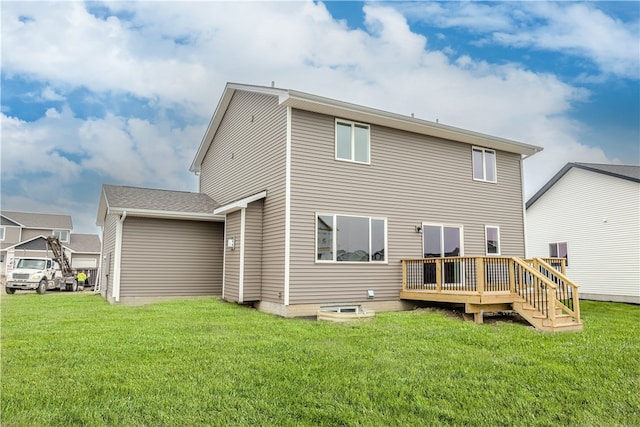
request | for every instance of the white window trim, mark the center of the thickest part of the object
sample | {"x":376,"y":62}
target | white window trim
{"x":435,"y":224}
{"x":353,"y":142}
{"x":486,"y":241}
{"x":63,"y":231}
{"x":484,"y":164}
{"x":3,"y":231}
{"x":334,"y":243}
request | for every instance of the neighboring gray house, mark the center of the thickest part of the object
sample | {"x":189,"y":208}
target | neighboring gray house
{"x":22,"y":234}
{"x":590,"y":214}
{"x":318,"y":201}
{"x":159,"y":244}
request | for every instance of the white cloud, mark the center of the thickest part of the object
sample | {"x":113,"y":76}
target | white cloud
{"x":575,"y":28}
{"x":180,"y":54}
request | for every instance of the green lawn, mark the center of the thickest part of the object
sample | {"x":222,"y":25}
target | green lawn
{"x":73,"y":359}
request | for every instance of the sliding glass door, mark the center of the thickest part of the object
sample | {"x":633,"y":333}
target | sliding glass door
{"x":441,"y":241}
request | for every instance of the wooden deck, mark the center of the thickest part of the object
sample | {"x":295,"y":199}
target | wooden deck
{"x":537,"y":289}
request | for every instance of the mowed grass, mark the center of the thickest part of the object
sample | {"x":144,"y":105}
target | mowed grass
{"x":73,"y":359}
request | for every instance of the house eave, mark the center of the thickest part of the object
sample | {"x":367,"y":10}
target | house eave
{"x":146,"y":213}
{"x":359,"y":113}
{"x":218,"y":114}
{"x":239,"y":204}
{"x":341,"y":109}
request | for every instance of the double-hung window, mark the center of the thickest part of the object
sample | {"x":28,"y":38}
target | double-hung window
{"x":352,"y":141}
{"x":559,"y":250}
{"x":492,"y":239}
{"x":484,"y":164}
{"x":2,"y":233}
{"x":63,"y":235}
{"x":343,"y":238}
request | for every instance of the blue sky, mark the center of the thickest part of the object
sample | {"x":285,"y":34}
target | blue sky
{"x":121,"y":93}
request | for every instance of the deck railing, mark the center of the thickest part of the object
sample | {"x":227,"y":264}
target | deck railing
{"x":458,"y":274}
{"x":566,"y":291}
{"x":541,"y":283}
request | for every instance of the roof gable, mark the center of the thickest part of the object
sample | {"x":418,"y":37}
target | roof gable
{"x":79,"y":243}
{"x":625,"y":172}
{"x":37,"y":243}
{"x":39,"y":221}
{"x":332,"y":107}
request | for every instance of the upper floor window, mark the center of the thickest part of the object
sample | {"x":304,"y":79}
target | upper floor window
{"x":492,"y":238}
{"x":484,"y":164}
{"x":352,"y":141}
{"x":2,"y":233}
{"x":63,"y":235}
{"x":559,"y":250}
{"x":344,"y":238}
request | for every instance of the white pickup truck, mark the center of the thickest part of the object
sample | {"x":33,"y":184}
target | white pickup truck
{"x":40,"y":274}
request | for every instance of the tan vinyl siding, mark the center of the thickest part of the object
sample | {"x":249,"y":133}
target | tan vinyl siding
{"x":253,"y":252}
{"x":411,"y":179}
{"x":11,"y":235}
{"x":163,"y":257}
{"x":29,"y":233}
{"x":247,"y":156}
{"x":232,"y":258}
{"x":108,"y":256}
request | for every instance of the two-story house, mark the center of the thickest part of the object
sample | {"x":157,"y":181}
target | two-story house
{"x":320,"y":201}
{"x":22,"y":234}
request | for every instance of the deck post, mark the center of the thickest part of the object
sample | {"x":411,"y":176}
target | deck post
{"x":512,"y":276}
{"x":551,"y":298}
{"x":576,"y":304}
{"x":404,"y":275}
{"x":478,"y":317}
{"x":439,"y":275}
{"x":480,"y":275}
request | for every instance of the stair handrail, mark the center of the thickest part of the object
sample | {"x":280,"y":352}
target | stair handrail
{"x":575,"y":312}
{"x":548,"y":296}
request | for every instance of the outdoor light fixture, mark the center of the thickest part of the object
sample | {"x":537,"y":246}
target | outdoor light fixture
{"x":418,"y":229}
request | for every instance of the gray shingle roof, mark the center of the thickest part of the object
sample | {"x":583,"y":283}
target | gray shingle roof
{"x":37,"y":220}
{"x":626,"y":172}
{"x":124,"y":197}
{"x":84,"y":243}
{"x":621,"y":171}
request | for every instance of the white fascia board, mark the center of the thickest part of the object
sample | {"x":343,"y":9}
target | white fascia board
{"x":359,"y":113}
{"x":103,"y":208}
{"x":147,"y":213}
{"x":239,"y":204}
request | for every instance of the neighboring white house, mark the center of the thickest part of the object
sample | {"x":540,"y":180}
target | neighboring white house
{"x":590,"y":214}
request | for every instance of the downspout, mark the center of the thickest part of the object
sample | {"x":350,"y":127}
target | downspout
{"x":287,"y":211}
{"x":243,"y":219}
{"x":118,"y":257}
{"x":224,"y":256}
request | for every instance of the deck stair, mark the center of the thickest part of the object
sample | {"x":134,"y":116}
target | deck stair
{"x":537,"y":289}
